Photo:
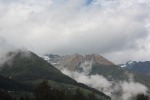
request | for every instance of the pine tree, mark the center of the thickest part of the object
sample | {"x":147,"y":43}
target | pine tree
{"x":43,"y":91}
{"x":22,"y":98}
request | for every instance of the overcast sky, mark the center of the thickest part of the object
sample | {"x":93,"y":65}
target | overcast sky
{"x":117,"y":29}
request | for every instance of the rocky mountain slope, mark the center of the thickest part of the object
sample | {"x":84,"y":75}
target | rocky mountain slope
{"x":73,"y":62}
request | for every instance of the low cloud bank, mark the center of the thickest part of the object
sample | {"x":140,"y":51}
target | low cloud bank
{"x":117,"y":90}
{"x":4,"y":50}
{"x":121,"y":90}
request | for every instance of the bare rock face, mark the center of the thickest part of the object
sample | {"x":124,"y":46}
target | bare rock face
{"x":101,"y":60}
{"x":73,"y":62}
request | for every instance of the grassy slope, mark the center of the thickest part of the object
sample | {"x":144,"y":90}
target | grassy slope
{"x":8,"y":84}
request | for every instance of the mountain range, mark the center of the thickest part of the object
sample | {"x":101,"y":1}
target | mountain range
{"x":28,"y":68}
{"x":96,"y":65}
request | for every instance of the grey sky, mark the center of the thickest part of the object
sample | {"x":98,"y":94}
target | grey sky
{"x":116,"y":29}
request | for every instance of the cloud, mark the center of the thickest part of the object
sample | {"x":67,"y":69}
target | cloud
{"x":6,"y":48}
{"x":105,"y":27}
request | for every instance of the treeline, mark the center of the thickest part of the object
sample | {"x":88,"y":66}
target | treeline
{"x":45,"y":92}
